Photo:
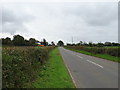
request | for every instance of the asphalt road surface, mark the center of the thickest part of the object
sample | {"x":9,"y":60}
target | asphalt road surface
{"x":90,"y":72}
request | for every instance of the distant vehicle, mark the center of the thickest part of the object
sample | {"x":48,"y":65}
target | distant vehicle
{"x":41,"y":45}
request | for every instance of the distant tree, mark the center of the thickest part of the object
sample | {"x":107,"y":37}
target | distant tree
{"x":32,"y":42}
{"x":100,"y":44}
{"x":0,"y":41}
{"x":94,"y":44}
{"x":77,"y":44}
{"x":52,"y":43}
{"x":81,"y":43}
{"x":60,"y":43}
{"x":18,"y":40}
{"x":73,"y":44}
{"x":45,"y":43}
{"x":27,"y":43}
{"x":85,"y":44}
{"x":108,"y":44}
{"x":6,"y":41}
{"x":115,"y":44}
{"x":90,"y":44}
{"x":68,"y":44}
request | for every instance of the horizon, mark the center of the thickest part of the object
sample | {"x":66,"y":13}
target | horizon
{"x":54,"y":21}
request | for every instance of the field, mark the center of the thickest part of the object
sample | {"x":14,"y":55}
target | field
{"x":109,"y":53}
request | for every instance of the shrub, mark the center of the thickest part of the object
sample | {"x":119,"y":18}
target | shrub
{"x":20,"y":65}
{"x":99,"y":50}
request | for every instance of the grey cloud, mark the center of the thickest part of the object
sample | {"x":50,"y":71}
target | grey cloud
{"x":12,"y":22}
{"x":84,"y":21}
{"x":97,"y":14}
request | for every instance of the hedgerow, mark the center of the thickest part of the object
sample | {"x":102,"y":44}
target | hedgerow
{"x":99,"y":50}
{"x":20,"y":65}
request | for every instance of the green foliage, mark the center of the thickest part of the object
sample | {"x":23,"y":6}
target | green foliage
{"x":32,"y":42}
{"x":6,"y":41}
{"x":60,"y":43}
{"x":45,"y":43}
{"x":20,"y":65}
{"x":98,"y":50}
{"x":54,"y":74}
{"x":104,"y":56}
{"x":18,"y":40}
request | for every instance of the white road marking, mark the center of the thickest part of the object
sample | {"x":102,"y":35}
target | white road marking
{"x":71,"y":76}
{"x":95,"y":63}
{"x":79,"y":56}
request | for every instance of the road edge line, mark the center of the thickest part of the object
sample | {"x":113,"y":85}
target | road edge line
{"x":68,"y":70}
{"x":71,"y":76}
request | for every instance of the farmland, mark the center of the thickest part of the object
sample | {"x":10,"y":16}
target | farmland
{"x":109,"y":53}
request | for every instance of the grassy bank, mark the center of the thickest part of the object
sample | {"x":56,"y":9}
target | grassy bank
{"x":54,"y":74}
{"x":104,"y":56}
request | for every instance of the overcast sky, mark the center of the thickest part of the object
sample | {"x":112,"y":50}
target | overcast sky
{"x":84,"y":21}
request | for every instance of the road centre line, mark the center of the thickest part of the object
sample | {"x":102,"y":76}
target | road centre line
{"x":95,"y":63}
{"x":79,"y":56}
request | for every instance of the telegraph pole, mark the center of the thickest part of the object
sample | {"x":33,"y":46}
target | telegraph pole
{"x":72,"y":39}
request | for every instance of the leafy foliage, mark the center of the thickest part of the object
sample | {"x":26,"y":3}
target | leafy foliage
{"x":20,"y":65}
{"x":60,"y":43}
{"x":98,"y":50}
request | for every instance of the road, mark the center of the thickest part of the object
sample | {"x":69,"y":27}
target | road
{"x":90,"y":72}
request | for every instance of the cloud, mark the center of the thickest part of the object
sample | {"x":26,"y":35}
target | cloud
{"x":12,"y":22}
{"x":95,"y":14}
{"x":54,"y":21}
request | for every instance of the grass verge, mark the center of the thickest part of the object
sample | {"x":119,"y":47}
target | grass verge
{"x":54,"y":74}
{"x":104,"y":56}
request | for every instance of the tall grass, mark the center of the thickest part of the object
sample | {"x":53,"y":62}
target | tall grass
{"x":20,"y":65}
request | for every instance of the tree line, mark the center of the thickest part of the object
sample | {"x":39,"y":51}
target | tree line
{"x":100,"y":44}
{"x":19,"y":40}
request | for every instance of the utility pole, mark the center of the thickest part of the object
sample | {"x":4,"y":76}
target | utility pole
{"x":72,"y":39}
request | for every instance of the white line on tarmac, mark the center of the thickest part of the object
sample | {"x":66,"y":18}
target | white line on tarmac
{"x":79,"y":56}
{"x":95,"y":63}
{"x":71,"y":76}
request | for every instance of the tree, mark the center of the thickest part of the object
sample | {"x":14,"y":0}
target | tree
{"x":90,"y":44}
{"x":81,"y":43}
{"x":27,"y":43}
{"x":18,"y":40}
{"x":45,"y":43}
{"x":60,"y":43}
{"x":32,"y":42}
{"x":100,"y":44}
{"x":6,"y":41}
{"x":115,"y":44}
{"x":52,"y":43}
{"x":85,"y":44}
{"x":108,"y":44}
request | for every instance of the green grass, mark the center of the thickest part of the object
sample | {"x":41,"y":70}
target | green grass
{"x":54,"y":74}
{"x":104,"y":56}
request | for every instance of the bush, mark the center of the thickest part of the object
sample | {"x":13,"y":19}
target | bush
{"x":20,"y":65}
{"x":99,"y":50}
